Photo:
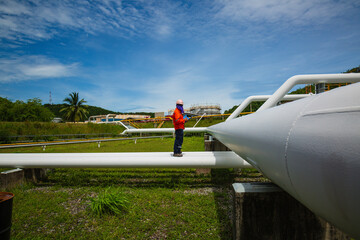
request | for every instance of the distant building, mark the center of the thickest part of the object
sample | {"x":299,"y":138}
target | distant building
{"x":115,"y":117}
{"x":159,"y":114}
{"x":208,"y":109}
{"x":57,"y":120}
{"x":200,"y":109}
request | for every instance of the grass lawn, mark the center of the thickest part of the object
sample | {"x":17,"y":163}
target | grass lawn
{"x":162,"y":203}
{"x":194,"y":143}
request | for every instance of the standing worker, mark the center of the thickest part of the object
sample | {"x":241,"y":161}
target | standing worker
{"x":179,"y":121}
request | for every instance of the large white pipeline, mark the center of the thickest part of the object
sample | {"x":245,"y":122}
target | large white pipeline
{"x":310,"y":148}
{"x":224,"y":159}
{"x":308,"y":79}
{"x":255,"y":98}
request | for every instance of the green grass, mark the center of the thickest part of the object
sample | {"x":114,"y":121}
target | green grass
{"x":161,"y":203}
{"x":47,"y":131}
{"x":193,"y":143}
{"x":109,"y":202}
{"x":37,"y":130}
{"x":49,"y":212}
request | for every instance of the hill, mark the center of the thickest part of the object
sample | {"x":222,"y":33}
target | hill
{"x":354,"y":70}
{"x":93,"y":110}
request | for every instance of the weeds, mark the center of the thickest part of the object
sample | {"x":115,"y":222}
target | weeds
{"x":109,"y":202}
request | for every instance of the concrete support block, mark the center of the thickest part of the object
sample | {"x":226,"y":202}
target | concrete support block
{"x":215,"y":145}
{"x":218,"y":146}
{"x":36,"y":174}
{"x":11,"y":178}
{"x":211,"y":144}
{"x":265,"y":211}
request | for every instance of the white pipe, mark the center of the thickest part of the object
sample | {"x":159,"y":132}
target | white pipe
{"x":123,"y":125}
{"x":76,"y":142}
{"x":163,"y":130}
{"x":310,"y":148}
{"x":251,"y":99}
{"x":199,"y":120}
{"x":308,"y":79}
{"x":225,"y":159}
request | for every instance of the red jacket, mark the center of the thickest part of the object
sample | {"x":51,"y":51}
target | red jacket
{"x":178,"y":119}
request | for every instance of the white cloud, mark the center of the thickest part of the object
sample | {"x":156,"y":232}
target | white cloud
{"x":36,"y":20}
{"x":21,"y":68}
{"x":25,"y":21}
{"x":164,"y":30}
{"x":46,"y":71}
{"x":301,"y":12}
{"x":192,"y":88}
{"x":157,"y":93}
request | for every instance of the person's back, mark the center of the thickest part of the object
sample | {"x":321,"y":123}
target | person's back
{"x":178,"y":119}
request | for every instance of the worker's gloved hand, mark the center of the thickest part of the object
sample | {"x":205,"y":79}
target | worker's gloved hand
{"x":186,"y":117}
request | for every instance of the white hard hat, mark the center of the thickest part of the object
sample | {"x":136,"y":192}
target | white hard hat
{"x":179,"y":101}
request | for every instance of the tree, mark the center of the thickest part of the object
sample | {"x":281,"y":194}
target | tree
{"x":5,"y":106}
{"x":354,"y":70}
{"x":74,"y":109}
{"x":20,"y":111}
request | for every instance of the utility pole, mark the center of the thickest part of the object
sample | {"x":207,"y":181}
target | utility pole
{"x":50,"y":99}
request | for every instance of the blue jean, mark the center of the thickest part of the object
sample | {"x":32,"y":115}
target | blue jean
{"x":179,"y":136}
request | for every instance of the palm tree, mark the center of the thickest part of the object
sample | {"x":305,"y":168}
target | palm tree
{"x":74,"y":109}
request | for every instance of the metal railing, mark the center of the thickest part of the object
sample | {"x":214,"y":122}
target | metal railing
{"x":308,"y":79}
{"x":44,"y":144}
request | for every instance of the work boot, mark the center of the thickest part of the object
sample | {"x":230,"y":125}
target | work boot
{"x":177,"y":155}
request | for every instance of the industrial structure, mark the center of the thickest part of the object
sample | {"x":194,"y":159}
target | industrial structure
{"x":115,"y":118}
{"x":201,"y":109}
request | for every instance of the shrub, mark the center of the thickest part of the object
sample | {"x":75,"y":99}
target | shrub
{"x":109,"y":202}
{"x":5,"y":136}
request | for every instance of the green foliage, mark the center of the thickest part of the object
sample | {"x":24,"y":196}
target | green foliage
{"x":5,"y":136}
{"x":5,"y":107}
{"x":98,"y":111}
{"x":20,"y":111}
{"x":92,"y":110}
{"x":74,"y":109}
{"x":231,"y":110}
{"x":44,"y":130}
{"x":304,"y":90}
{"x":354,"y":70}
{"x":151,"y":114}
{"x":55,"y":108}
{"x":109,"y":202}
{"x":253,"y":107}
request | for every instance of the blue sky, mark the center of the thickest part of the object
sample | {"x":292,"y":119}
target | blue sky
{"x":144,"y":55}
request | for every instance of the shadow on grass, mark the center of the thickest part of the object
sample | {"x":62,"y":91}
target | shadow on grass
{"x":223,"y":178}
{"x":146,"y":177}
{"x":138,"y":178}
